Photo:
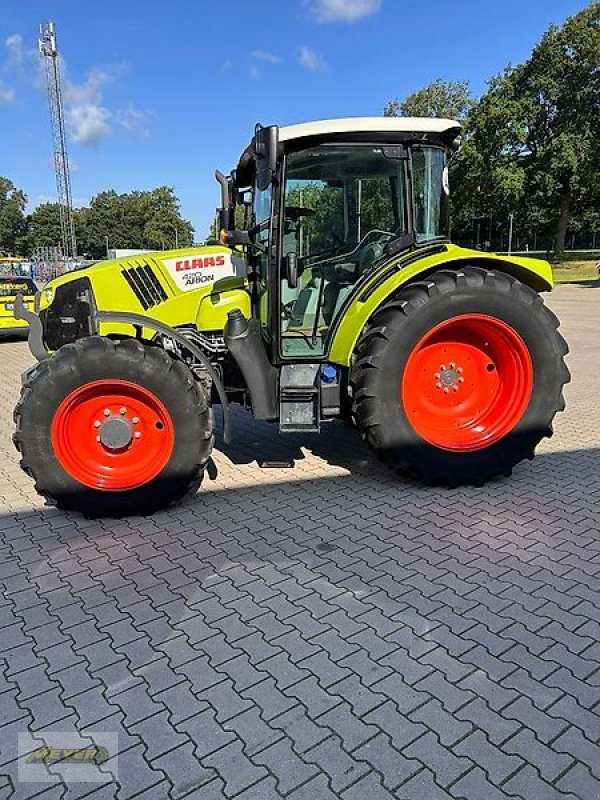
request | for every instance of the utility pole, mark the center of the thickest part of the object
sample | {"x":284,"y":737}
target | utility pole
{"x":49,"y":52}
{"x":510,"y":232}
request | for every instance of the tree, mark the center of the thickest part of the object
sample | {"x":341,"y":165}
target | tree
{"x":535,"y":132}
{"x":12,"y":217}
{"x":138,"y":220}
{"x":447,"y":99}
{"x":44,"y":226}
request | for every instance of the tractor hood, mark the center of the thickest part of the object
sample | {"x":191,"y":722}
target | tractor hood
{"x":186,"y":270}
{"x":188,"y":287}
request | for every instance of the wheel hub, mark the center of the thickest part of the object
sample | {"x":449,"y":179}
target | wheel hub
{"x":448,"y":377}
{"x":116,"y":433}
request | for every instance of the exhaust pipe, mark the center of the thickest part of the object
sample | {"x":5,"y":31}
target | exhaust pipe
{"x":243,"y":339}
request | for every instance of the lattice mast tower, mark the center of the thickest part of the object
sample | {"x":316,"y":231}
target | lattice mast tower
{"x":49,"y":53}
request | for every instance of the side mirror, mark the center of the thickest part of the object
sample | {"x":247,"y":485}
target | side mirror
{"x":292,"y":271}
{"x":265,"y":151}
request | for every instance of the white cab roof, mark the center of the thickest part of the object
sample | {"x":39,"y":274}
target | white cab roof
{"x":367,"y":125}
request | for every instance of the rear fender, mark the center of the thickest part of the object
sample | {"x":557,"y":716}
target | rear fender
{"x":385,"y":281}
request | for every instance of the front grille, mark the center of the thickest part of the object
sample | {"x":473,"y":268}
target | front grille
{"x":70,"y":316}
{"x":145,"y":285}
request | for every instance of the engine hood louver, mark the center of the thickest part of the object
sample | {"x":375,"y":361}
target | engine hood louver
{"x":145,"y":285}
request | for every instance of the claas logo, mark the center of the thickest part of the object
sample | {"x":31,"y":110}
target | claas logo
{"x":61,"y":755}
{"x":200,"y":263}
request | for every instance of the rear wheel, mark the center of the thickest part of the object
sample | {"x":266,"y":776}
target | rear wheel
{"x":458,"y":378}
{"x":113,"y":427}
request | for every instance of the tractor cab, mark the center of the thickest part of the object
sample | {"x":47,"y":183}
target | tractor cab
{"x":332,"y":201}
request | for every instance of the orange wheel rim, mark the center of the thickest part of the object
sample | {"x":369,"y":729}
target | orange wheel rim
{"x":112,"y":435}
{"x":467,"y":383}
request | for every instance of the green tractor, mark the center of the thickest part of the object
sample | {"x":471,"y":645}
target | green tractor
{"x":342,"y":296}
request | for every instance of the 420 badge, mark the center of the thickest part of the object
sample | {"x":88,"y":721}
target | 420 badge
{"x":192,"y":272}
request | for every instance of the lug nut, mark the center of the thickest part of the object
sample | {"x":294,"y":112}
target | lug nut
{"x":442,"y":367}
{"x":97,"y":438}
{"x":437,"y":376}
{"x":122,"y":411}
{"x":446,"y":390}
{"x":461,"y":380}
{"x":451,"y":365}
{"x":455,"y":388}
{"x":438,"y":385}
{"x":135,"y":420}
{"x":106,"y":412}
{"x":459,"y":370}
{"x":97,"y":423}
{"x":137,"y":435}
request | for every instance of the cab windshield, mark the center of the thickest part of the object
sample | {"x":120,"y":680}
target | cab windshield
{"x":343,"y":201}
{"x":342,"y":206}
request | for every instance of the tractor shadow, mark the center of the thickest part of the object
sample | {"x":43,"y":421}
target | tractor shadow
{"x":338,"y":445}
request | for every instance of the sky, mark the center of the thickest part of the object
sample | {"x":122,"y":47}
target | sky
{"x":162,"y":93}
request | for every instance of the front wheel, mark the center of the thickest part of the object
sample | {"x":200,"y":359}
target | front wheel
{"x":459,"y":377}
{"x":113,"y":428}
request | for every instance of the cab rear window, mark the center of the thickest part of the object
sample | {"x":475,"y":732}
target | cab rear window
{"x":10,"y":286}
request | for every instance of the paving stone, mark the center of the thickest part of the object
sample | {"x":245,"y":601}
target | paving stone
{"x":446,"y":766}
{"x":234,"y":768}
{"x":289,"y":770}
{"x":496,"y":763}
{"x":475,"y":784}
{"x":423,"y":785}
{"x":269,"y":699}
{"x":351,"y":730}
{"x":342,"y":769}
{"x":252,"y":731}
{"x":370,"y":787}
{"x":206,"y":733}
{"x":404,"y":696}
{"x":548,"y":762}
{"x":528,"y":784}
{"x":298,"y":726}
{"x":317,"y":787}
{"x":400,"y":729}
{"x":574,"y":743}
{"x":158,"y":734}
{"x":394,"y":767}
{"x":579,"y":782}
{"x":185,"y":771}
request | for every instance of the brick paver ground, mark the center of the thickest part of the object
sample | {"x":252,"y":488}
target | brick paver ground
{"x":318,"y":632}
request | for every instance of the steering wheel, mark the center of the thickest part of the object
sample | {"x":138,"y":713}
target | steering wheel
{"x":373,"y":251}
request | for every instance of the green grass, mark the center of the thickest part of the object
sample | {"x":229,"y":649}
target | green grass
{"x":574,"y":271}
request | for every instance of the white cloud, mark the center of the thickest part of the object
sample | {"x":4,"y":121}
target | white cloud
{"x":265,"y":55}
{"x":310,"y":60}
{"x":134,"y":121}
{"x":89,"y":123}
{"x":88,"y":119}
{"x":16,"y":50}
{"x":7,"y":95}
{"x":343,"y":10}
